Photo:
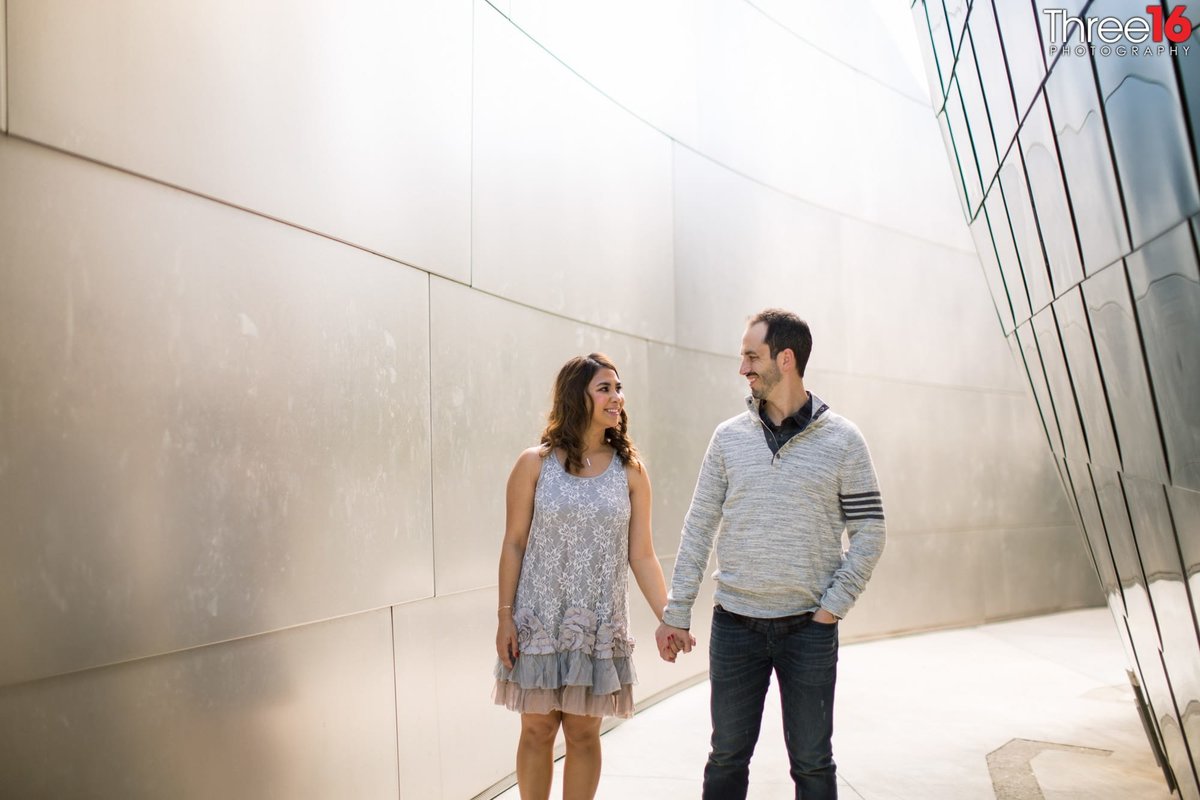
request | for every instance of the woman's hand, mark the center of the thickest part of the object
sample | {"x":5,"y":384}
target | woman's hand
{"x":506,"y":639}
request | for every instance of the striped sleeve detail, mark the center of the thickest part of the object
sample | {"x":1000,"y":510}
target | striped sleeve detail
{"x":864,"y":505}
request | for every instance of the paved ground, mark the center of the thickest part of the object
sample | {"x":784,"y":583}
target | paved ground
{"x":917,"y":717}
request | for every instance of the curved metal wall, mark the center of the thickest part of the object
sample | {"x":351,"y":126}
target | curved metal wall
{"x":283,"y":287}
{"x":1076,"y":165}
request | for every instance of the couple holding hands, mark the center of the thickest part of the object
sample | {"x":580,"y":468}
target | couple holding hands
{"x":778,"y":485}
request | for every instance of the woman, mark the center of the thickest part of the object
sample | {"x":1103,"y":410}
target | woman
{"x":578,"y":518}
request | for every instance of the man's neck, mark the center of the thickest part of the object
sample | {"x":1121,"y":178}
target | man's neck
{"x":786,"y":399}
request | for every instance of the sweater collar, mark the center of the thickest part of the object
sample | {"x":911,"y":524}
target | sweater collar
{"x":808,"y":413}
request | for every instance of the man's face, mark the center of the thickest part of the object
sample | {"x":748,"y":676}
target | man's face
{"x":759,"y":369}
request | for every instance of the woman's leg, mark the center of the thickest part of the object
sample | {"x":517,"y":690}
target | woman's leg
{"x":581,"y":773}
{"x":535,"y":754}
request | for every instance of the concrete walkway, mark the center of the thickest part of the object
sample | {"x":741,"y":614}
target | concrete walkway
{"x":917,"y":717}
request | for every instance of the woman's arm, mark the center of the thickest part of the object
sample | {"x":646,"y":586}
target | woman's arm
{"x":642,"y":558}
{"x":522,"y":483}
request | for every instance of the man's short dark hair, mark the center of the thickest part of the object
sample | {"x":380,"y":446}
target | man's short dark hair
{"x":786,"y":331}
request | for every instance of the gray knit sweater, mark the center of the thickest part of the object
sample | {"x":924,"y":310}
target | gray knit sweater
{"x":778,"y":521}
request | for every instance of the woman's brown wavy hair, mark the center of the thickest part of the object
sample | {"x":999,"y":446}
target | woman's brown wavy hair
{"x":571,"y":411}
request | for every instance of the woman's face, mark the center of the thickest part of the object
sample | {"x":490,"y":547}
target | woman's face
{"x":607,"y":399}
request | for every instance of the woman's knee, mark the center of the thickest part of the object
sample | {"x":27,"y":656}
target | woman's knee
{"x":540,"y":729}
{"x":581,"y":731}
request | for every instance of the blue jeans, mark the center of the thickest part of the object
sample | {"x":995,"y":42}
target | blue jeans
{"x":742,"y":654}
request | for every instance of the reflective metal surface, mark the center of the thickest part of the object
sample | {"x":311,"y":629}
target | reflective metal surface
{"x":674,"y":459}
{"x":1087,"y":163}
{"x":1050,"y":199}
{"x":1114,"y":365}
{"x":1085,"y":379}
{"x":722,"y":222}
{"x":1036,"y":372}
{"x":488,"y":411}
{"x":213,"y":425}
{"x":1154,"y":161}
{"x":1058,"y":379}
{"x":1026,"y":235}
{"x":656,"y":76}
{"x":1118,"y":348}
{"x":303,"y":713}
{"x":997,"y":92}
{"x":1022,"y":51}
{"x":1088,"y":508}
{"x":964,"y":147}
{"x":3,"y":67}
{"x":570,"y":192}
{"x":353,"y":121}
{"x":977,"y":117}
{"x":1165,"y":282}
{"x":995,"y":213}
{"x":985,"y":245}
{"x":768,"y":134}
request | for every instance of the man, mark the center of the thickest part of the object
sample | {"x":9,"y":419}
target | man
{"x":778,"y":485}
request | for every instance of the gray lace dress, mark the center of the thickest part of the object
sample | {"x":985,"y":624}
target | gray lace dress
{"x":572,"y":604}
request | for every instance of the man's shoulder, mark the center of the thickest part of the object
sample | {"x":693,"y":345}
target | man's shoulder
{"x":843,"y":431}
{"x":736,"y":425}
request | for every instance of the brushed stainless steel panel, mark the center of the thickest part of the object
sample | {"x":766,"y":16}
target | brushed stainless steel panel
{"x":952,"y":157}
{"x":925,"y":41}
{"x":985,"y":37}
{"x":302,"y":713}
{"x":894,"y":603}
{"x":419,"y":703}
{"x":1165,"y":282}
{"x":939,"y":34}
{"x":1154,"y":161}
{"x":1035,"y":369}
{"x":1003,"y":479}
{"x":1022,"y":51}
{"x":978,"y":121}
{"x":655,"y":675}
{"x":956,"y":22}
{"x":885,"y":275}
{"x":492,"y":385}
{"x":1158,"y":544}
{"x":1026,"y":233}
{"x":1037,"y":570}
{"x":1119,"y":349}
{"x":1087,"y":162}
{"x":1185,"y":511}
{"x":1080,"y":351}
{"x":353,"y":120}
{"x":1118,"y":528}
{"x":1092,"y":524}
{"x":1188,"y":65}
{"x":1050,"y":198}
{"x":965,"y":149}
{"x":571,"y":193}
{"x":995,"y":210}
{"x":655,"y":76}
{"x":1058,"y":379}
{"x":3,"y":67}
{"x":212,"y":425}
{"x":477,"y":739}
{"x":985,"y":245}
{"x":690,"y":394}
{"x":723,"y":223}
{"x":768,"y":135}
